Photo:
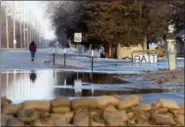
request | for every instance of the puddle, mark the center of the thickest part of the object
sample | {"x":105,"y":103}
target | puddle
{"x":47,"y":84}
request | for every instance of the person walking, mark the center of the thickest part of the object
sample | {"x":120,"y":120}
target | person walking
{"x":33,"y":49}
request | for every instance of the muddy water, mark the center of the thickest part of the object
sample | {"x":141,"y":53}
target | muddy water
{"x":47,"y":84}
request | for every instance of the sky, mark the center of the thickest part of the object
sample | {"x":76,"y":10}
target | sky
{"x":38,"y":10}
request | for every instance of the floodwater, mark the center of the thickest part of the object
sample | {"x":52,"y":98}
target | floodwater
{"x":47,"y":84}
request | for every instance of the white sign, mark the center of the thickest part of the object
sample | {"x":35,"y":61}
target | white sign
{"x":78,"y":37}
{"x":145,"y":58}
{"x":92,"y":53}
{"x":78,"y":86}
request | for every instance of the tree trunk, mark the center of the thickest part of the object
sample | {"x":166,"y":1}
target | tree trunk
{"x":108,"y":50}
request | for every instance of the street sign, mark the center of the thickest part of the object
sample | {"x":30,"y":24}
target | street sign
{"x":78,"y":37}
{"x":145,"y":58}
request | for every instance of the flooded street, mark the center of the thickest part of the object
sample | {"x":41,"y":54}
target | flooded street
{"x":47,"y":84}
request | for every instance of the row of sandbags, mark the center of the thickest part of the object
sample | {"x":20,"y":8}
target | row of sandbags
{"x":101,"y":111}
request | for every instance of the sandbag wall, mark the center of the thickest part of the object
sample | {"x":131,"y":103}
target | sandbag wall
{"x":101,"y":111}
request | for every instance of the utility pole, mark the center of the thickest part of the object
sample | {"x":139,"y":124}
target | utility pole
{"x":7,"y":32}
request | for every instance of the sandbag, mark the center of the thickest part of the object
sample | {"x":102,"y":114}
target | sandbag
{"x":161,"y":110}
{"x":38,"y":105}
{"x":143,"y":125}
{"x":179,"y":118}
{"x":5,"y":101}
{"x":130,"y":115}
{"x":164,"y":119}
{"x":142,"y":107}
{"x":27,"y":115}
{"x":68,"y":116}
{"x":61,"y":101}
{"x":97,"y":116}
{"x":60,"y":109}
{"x":104,"y":101}
{"x":10,"y":109}
{"x":81,"y":119}
{"x":12,"y":121}
{"x":177,"y":111}
{"x":65,"y":118}
{"x":110,"y":108}
{"x":83,"y":103}
{"x":4,"y":119}
{"x":44,"y":122}
{"x":115,"y":118}
{"x":167,"y":104}
{"x":95,"y":123}
{"x":129,"y":102}
{"x":59,"y":119}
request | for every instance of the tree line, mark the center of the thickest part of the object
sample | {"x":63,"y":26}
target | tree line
{"x":113,"y":22}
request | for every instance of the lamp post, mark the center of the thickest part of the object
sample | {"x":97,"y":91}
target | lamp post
{"x":54,"y":57}
{"x":92,"y":60}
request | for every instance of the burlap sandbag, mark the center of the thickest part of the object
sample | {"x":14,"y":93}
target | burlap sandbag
{"x":117,"y":118}
{"x":130,"y":115}
{"x":64,"y":118}
{"x":161,"y":110}
{"x":104,"y":101}
{"x":96,"y":124}
{"x":44,"y":122}
{"x":179,"y":118}
{"x":61,"y":101}
{"x":97,"y":116}
{"x":83,"y":103}
{"x":129,"y":102}
{"x":4,"y":119}
{"x":27,"y":115}
{"x":166,"y":104}
{"x":110,"y":108}
{"x":60,"y":109}
{"x":11,"y":109}
{"x":81,"y":119}
{"x":5,"y":101}
{"x":164,"y":119}
{"x":59,"y":119}
{"x":142,"y":125}
{"x":142,"y":107}
{"x":12,"y":121}
{"x":38,"y":105}
{"x":141,"y":117}
{"x":177,"y":111}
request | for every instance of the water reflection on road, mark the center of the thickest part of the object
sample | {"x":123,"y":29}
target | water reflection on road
{"x":47,"y":84}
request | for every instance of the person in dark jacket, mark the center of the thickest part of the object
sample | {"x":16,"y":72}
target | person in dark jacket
{"x":33,"y":49}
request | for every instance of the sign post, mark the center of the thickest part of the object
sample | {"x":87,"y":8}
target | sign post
{"x":92,"y":60}
{"x":77,"y":39}
{"x":172,"y":61}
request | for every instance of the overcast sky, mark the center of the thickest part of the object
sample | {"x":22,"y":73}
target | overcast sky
{"x":38,"y":10}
